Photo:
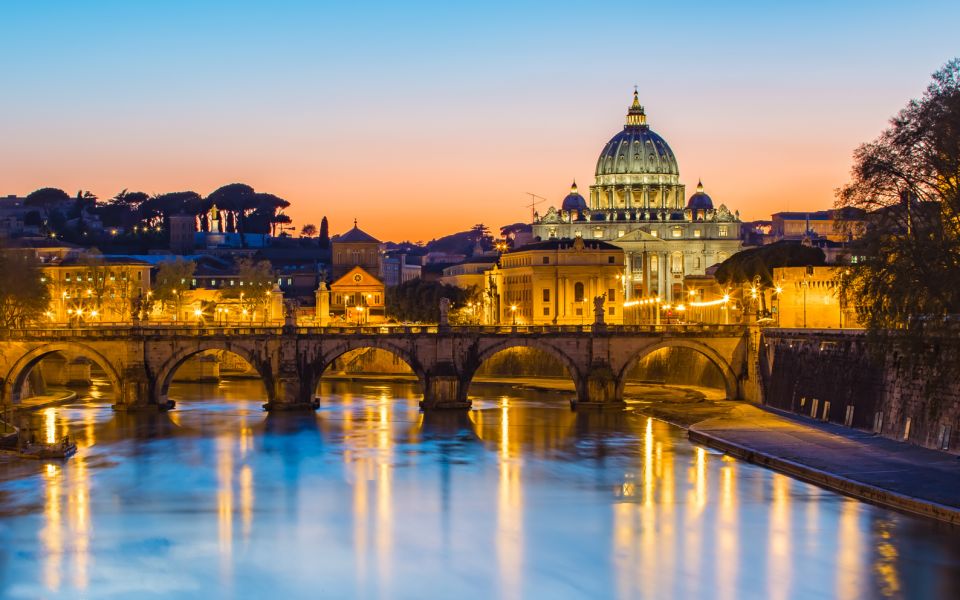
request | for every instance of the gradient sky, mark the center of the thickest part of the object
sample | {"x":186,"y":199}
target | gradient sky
{"x":420,"y":119}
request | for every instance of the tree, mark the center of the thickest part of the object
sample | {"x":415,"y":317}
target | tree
{"x":754,"y":266}
{"x":47,"y":198}
{"x":419,"y":300}
{"x":256,"y":282}
{"x":907,"y":271}
{"x":324,"y":239}
{"x":172,"y":281}
{"x":309,"y":230}
{"x":23,"y":292}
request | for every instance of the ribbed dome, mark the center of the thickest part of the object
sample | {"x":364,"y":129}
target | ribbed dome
{"x":637,"y":150}
{"x":574,"y":201}
{"x":700,"y":201}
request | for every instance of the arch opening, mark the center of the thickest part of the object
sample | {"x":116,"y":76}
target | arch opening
{"x":359,"y":375}
{"x":62,"y":373}
{"x":213,"y":376}
{"x":666,"y":369}
{"x":539,"y":372}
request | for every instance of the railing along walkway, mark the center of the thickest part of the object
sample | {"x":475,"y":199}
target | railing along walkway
{"x":166,"y":330}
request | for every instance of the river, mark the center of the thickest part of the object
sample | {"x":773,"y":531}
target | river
{"x":368,"y":497}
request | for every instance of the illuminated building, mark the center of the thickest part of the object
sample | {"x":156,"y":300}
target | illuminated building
{"x":638,"y":203}
{"x":554,"y":282}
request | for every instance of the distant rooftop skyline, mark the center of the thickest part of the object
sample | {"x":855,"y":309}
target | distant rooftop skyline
{"x":423,"y":119}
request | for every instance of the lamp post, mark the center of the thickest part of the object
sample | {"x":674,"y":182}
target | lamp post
{"x":513,"y":312}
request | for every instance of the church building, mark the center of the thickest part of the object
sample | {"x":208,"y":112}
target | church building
{"x":638,"y":203}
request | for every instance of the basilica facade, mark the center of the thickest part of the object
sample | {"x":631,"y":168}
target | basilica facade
{"x":638,"y":203}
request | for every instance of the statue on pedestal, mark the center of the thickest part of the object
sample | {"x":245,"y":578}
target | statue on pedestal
{"x":598,"y":310}
{"x":444,"y":312}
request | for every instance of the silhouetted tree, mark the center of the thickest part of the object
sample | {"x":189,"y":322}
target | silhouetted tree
{"x":46,"y":198}
{"x":309,"y":230}
{"x":324,"y":239}
{"x":908,"y":270}
{"x":419,"y":300}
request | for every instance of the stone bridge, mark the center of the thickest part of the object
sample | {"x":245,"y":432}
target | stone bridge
{"x":140,"y":361}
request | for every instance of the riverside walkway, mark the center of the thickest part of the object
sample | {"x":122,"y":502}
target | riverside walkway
{"x":850,"y":461}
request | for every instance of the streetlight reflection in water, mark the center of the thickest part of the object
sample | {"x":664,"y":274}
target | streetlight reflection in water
{"x":519,"y":497}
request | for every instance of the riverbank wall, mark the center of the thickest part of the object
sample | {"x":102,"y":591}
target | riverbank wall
{"x":907,"y":391}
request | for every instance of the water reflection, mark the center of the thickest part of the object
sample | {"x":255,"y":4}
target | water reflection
{"x":368,"y":497}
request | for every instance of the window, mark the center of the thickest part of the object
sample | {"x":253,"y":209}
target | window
{"x":621,"y":233}
{"x":653,"y":232}
{"x":611,"y":311}
{"x":597,"y":233}
{"x":611,"y":295}
{"x":697,"y":233}
{"x":676,"y":262}
{"x":579,"y":311}
{"x":578,"y":292}
{"x":654,"y":264}
{"x":696,"y":262}
{"x":612,"y":259}
{"x":722,"y":231}
{"x":546,"y":294}
{"x":677,"y":232}
{"x":546,"y":260}
{"x":546,"y":311}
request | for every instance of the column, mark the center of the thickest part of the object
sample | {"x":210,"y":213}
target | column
{"x":662,"y":279}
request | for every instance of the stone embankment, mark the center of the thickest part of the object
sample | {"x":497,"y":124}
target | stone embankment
{"x":852,"y":462}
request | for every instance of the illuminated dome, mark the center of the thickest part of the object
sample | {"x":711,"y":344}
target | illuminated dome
{"x":574,"y":201}
{"x":637,"y":150}
{"x":700,"y":201}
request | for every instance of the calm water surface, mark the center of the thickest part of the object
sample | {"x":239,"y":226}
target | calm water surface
{"x":519,"y":498}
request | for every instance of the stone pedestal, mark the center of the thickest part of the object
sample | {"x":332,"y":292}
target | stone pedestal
{"x":78,"y":372}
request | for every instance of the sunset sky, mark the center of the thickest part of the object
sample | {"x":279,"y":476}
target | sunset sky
{"x":421,"y":119}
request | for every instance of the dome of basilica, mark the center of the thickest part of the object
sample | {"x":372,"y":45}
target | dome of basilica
{"x":637,"y":150}
{"x":574,"y":201}
{"x":700,"y":201}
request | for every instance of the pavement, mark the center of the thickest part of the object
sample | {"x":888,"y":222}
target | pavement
{"x":857,"y":463}
{"x":40,"y":402}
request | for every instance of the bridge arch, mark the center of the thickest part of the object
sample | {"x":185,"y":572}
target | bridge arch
{"x":182,"y":355}
{"x":475,"y":362}
{"x":332,"y":353}
{"x":729,"y":377}
{"x":13,"y":382}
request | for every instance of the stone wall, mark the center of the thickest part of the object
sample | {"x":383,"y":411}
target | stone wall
{"x":909,"y":392}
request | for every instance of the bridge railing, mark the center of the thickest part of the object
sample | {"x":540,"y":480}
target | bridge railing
{"x":166,"y":330}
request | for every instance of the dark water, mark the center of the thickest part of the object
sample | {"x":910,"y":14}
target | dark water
{"x":520,"y":498}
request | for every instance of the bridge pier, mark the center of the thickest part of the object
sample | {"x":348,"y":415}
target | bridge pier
{"x":443,"y":389}
{"x":598,"y":389}
{"x":136,"y":392}
{"x":291,"y":393}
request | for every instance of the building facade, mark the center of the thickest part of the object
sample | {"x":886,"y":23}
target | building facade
{"x":555,"y":282}
{"x":356,"y":248}
{"x":638,"y":204}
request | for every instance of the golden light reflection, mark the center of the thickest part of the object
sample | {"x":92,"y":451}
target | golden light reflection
{"x":246,"y":500}
{"x":849,"y":552}
{"x":509,"y":541}
{"x":885,"y":566}
{"x":51,"y":535}
{"x":728,"y":552}
{"x":778,"y":552}
{"x":79,"y":511}
{"x":50,"y":424}
{"x":225,"y":505}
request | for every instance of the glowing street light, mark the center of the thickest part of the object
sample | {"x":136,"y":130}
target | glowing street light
{"x":513,"y":311}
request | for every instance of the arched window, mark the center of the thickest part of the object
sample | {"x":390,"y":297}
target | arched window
{"x":578,"y":292}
